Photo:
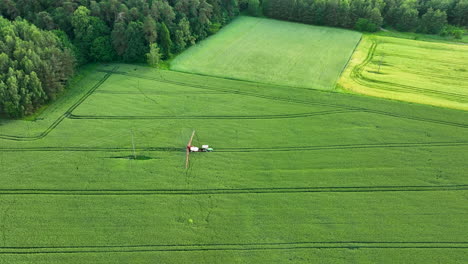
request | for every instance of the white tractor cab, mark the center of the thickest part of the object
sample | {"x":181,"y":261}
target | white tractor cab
{"x":204,"y":148}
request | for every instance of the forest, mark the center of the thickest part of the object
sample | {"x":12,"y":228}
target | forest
{"x":43,"y":41}
{"x":424,"y":16}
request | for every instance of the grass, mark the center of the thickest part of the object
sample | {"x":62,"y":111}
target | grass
{"x":297,"y":175}
{"x":272,"y":51}
{"x":420,"y":36}
{"x":409,"y":70}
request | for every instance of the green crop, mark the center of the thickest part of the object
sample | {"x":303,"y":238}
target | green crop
{"x":272,"y":51}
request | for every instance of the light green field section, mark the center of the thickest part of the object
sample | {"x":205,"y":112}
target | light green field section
{"x":272,"y":51}
{"x":297,"y":175}
{"x":145,"y":98}
{"x":409,"y":70}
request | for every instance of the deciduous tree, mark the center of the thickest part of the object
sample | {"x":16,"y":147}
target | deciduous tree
{"x":154,"y":56}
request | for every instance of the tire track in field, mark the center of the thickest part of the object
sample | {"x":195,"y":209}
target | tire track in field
{"x":349,"y":146}
{"x":236,"y":247}
{"x":428,"y":58}
{"x":357,"y":76}
{"x":157,"y":92}
{"x":235,"y":191}
{"x":422,"y":119}
{"x":406,"y":88}
{"x":230,"y":91}
{"x":92,"y":149}
{"x":282,"y":116}
{"x":347,"y":62}
{"x":439,"y":76}
{"x":289,"y":100}
{"x":240,"y":149}
{"x":64,"y":115}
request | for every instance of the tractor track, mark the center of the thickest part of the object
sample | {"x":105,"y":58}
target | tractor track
{"x":348,"y":62}
{"x":157,"y":92}
{"x":289,"y":100}
{"x":282,"y":116}
{"x":226,"y":149}
{"x":235,"y":247}
{"x":68,"y":113}
{"x":91,"y":149}
{"x":440,"y":76}
{"x":64,"y":115}
{"x":422,"y":119}
{"x":349,"y":146}
{"x":232,"y":91}
{"x":236,"y":191}
{"x":356,"y":75}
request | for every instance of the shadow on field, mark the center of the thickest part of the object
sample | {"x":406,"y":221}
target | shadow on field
{"x":131,"y":157}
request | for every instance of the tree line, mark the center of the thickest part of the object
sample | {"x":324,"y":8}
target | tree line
{"x":75,"y":32}
{"x":34,"y":67}
{"x":425,"y":16}
{"x":124,"y":30}
{"x":36,"y":61}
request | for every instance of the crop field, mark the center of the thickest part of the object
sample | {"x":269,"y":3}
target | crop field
{"x":409,"y":70}
{"x":272,"y":51}
{"x":296,"y":176}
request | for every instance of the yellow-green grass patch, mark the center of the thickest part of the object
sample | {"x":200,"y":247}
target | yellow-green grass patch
{"x":409,"y":70}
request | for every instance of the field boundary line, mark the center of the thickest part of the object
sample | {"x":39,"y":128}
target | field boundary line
{"x":279,"y":116}
{"x":102,"y":91}
{"x":235,"y":92}
{"x":348,"y":146}
{"x":347,"y":63}
{"x":253,"y":82}
{"x":339,"y":106}
{"x":235,"y":191}
{"x":258,"y":149}
{"x":233,"y":247}
{"x":91,"y":149}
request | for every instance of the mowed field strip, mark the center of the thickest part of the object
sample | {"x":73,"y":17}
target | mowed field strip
{"x":272,"y":51}
{"x":409,"y":70}
{"x":297,"y":175}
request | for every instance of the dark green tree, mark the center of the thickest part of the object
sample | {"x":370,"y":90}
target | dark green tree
{"x":165,"y":41}
{"x":375,"y":17}
{"x":460,"y":13}
{"x":150,"y":29}
{"x":102,"y":50}
{"x":119,"y":38}
{"x":365,"y":25}
{"x":183,"y":36}
{"x":254,"y":7}
{"x":162,"y":11}
{"x":433,"y":21}
{"x":408,"y":18}
{"x":137,"y":46}
{"x":87,"y":29}
{"x":45,"y":21}
{"x":34,"y":67}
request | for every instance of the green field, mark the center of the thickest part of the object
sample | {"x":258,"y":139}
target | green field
{"x":272,"y":51}
{"x":297,"y":175}
{"x":409,"y":70}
